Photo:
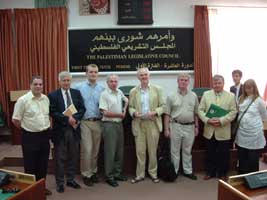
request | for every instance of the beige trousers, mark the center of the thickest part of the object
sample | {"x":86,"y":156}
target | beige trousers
{"x":182,"y":140}
{"x":147,"y":139}
{"x":90,"y":142}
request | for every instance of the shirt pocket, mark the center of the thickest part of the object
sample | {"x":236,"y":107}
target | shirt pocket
{"x":32,"y":110}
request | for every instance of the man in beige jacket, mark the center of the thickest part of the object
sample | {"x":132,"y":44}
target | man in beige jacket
{"x":217,"y":130}
{"x":146,"y":106}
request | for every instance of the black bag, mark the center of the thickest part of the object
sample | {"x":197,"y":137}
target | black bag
{"x":166,"y":170}
{"x":234,"y":128}
{"x":4,"y":178}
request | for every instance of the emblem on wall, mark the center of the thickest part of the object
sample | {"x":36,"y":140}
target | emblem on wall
{"x":94,"y":7}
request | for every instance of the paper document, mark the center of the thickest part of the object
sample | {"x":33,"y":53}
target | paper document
{"x":71,"y":110}
{"x":216,"y":111}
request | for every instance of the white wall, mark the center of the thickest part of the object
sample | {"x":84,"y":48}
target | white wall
{"x":166,"y":13}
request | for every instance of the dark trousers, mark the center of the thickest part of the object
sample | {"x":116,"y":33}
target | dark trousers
{"x":66,"y":150}
{"x":248,"y":160}
{"x":35,"y":149}
{"x":218,"y":156}
{"x":113,"y":148}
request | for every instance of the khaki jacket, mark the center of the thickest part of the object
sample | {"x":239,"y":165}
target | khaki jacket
{"x":227,"y":102}
{"x":156,"y":103}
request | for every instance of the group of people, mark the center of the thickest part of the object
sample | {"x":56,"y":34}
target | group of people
{"x":98,"y":113}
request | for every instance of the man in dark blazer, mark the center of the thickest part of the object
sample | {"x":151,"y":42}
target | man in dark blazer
{"x":66,"y":130}
{"x":237,"y":88}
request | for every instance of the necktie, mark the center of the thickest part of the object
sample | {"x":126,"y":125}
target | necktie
{"x":68,"y":98}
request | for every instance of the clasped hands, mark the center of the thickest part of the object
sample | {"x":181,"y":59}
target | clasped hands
{"x":149,"y":115}
{"x":214,"y":122}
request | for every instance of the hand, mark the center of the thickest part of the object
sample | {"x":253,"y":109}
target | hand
{"x":151,"y":115}
{"x":196,"y":131}
{"x":72,"y":121}
{"x":214,"y":122}
{"x":167,"y":133}
{"x":137,"y":114}
{"x":123,"y":114}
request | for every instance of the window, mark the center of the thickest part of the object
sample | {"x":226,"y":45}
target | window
{"x":239,"y":41}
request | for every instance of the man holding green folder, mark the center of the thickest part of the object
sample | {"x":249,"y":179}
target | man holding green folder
{"x":217,"y":109}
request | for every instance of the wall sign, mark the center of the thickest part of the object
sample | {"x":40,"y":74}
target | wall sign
{"x":129,"y":49}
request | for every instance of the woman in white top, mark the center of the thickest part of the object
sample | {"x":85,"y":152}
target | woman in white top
{"x":250,"y":137}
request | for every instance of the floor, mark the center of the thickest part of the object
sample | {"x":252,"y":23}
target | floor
{"x":182,"y":189}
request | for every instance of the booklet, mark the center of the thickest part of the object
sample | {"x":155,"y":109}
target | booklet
{"x":71,"y":110}
{"x":216,"y":111}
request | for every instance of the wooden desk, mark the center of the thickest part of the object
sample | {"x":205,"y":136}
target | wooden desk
{"x":235,"y":189}
{"x":30,"y":190}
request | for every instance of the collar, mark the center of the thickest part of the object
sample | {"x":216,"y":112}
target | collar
{"x":238,"y":86}
{"x":34,"y":97}
{"x":148,"y":86}
{"x":112,"y":91}
{"x":179,"y":92}
{"x":63,"y":91}
{"x":218,"y":93}
{"x":90,"y":84}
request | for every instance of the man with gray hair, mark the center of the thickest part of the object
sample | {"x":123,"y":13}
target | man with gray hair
{"x":181,"y":124}
{"x":66,"y":110}
{"x":113,"y":105}
{"x":217,"y":129}
{"x":146,"y":107}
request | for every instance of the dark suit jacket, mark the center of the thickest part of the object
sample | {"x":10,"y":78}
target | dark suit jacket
{"x":233,"y":90}
{"x":60,"y":121}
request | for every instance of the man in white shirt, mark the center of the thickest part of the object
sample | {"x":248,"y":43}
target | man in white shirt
{"x":31,"y":115}
{"x":113,"y":110}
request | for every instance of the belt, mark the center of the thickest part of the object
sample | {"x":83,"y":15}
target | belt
{"x":93,"y":119}
{"x":37,"y":132}
{"x":184,"y":123}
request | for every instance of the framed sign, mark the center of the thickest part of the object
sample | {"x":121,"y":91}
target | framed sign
{"x":159,"y":49}
{"x":135,"y":12}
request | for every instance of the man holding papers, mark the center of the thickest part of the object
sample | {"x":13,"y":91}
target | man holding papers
{"x":66,"y":109}
{"x":217,"y":109}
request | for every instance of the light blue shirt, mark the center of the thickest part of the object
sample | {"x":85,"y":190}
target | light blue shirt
{"x":145,"y":100}
{"x":91,"y":95}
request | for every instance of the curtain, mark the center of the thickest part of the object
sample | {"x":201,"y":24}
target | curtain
{"x":6,"y":61}
{"x":50,"y":3}
{"x":41,"y":39}
{"x":202,"y":50}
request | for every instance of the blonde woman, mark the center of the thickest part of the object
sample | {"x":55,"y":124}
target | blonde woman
{"x":250,"y":138}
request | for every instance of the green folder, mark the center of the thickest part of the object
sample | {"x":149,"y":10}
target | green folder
{"x":216,"y":111}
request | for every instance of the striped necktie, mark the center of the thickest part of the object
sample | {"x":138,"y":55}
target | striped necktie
{"x":68,"y":98}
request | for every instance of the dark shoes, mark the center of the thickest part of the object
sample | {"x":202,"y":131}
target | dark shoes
{"x":112,"y":182}
{"x":191,"y":176}
{"x":88,"y":181}
{"x":60,"y":188}
{"x":73,"y":184}
{"x":47,"y":192}
{"x":121,"y":178}
{"x":94,"y":178}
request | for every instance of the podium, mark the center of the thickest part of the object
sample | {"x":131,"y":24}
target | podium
{"x":235,"y":189}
